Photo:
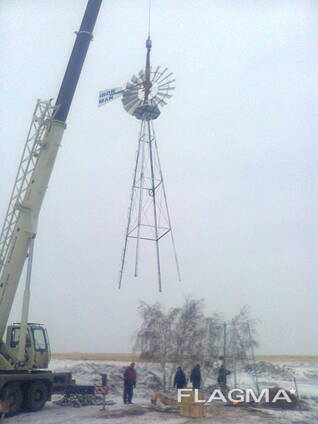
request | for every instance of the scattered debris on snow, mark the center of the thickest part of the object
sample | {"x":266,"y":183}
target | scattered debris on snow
{"x":263,"y":369}
{"x":148,"y":381}
{"x":124,"y":412}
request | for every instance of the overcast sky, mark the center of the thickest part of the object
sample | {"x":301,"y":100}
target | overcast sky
{"x":238,"y":147}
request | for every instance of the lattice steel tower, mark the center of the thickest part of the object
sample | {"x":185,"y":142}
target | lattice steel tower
{"x":148,"y":217}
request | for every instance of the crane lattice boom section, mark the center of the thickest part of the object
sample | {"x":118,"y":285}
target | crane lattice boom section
{"x":42,"y":117}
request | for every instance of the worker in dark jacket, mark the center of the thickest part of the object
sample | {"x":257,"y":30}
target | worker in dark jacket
{"x":222,"y":377}
{"x":179,"y":379}
{"x":129,"y":383}
{"x":195,"y":377}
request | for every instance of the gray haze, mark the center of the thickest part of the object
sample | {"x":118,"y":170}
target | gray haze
{"x":238,"y":148}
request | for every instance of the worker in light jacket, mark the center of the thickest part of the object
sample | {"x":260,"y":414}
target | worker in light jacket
{"x":130,"y":377}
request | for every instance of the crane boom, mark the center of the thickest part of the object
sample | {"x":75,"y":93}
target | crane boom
{"x":46,"y":132}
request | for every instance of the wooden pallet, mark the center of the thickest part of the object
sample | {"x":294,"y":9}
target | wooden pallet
{"x":190,"y":408}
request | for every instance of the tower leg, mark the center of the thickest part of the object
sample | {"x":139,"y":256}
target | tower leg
{"x":167,"y":209}
{"x":150,"y":140}
{"x":130,"y":210}
{"x":140,"y":199}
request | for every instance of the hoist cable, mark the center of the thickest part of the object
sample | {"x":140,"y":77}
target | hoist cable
{"x":149,"y":13}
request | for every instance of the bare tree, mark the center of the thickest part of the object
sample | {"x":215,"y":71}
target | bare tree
{"x":184,"y":336}
{"x":173,"y":338}
{"x":155,"y":337}
{"x":243,"y":334}
{"x":189,"y":333}
{"x":214,"y":337}
{"x":213,"y":344}
{"x":180,"y":337}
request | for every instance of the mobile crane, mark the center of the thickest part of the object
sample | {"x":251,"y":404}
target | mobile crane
{"x":25,"y":381}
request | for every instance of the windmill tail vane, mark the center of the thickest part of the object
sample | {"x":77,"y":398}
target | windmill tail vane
{"x":148,"y":216}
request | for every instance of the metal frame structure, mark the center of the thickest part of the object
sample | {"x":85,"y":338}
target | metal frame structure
{"x":148,"y":216}
{"x":41,"y":120}
{"x":141,"y":99}
{"x":34,"y":172}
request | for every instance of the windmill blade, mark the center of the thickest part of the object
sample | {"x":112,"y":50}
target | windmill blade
{"x":168,"y":96}
{"x":135,"y":79}
{"x":131,"y":105}
{"x":106,"y":96}
{"x":160,"y":75}
{"x":155,"y":101}
{"x":166,"y":83}
{"x":128,"y":100}
{"x":133,"y":98}
{"x":166,"y":89}
{"x":162,"y":102}
{"x":129,"y":93}
{"x":135,"y":85}
{"x":155,"y":74}
{"x":130,"y":86}
{"x":160,"y":80}
{"x":129,"y":96}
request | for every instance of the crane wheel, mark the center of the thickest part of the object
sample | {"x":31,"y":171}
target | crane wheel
{"x":36,"y":395}
{"x":12,"y":395}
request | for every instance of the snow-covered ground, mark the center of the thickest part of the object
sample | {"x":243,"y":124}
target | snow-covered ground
{"x":88,"y":372}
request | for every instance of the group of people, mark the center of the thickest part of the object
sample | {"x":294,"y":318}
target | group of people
{"x":180,"y":380}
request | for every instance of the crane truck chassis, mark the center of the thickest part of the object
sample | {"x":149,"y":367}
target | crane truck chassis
{"x":30,"y":390}
{"x":25,"y":381}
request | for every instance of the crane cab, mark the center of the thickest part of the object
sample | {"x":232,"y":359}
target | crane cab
{"x":37,"y":348}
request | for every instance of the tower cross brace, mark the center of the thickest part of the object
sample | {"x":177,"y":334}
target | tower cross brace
{"x":148,"y":215}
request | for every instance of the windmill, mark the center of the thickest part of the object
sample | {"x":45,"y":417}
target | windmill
{"x":148,"y":217}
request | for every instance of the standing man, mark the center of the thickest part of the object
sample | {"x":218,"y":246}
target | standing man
{"x":195,"y":377}
{"x":129,"y":383}
{"x":179,"y":379}
{"x":222,"y":376}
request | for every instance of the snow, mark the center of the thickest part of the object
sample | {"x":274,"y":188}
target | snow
{"x":88,"y":372}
